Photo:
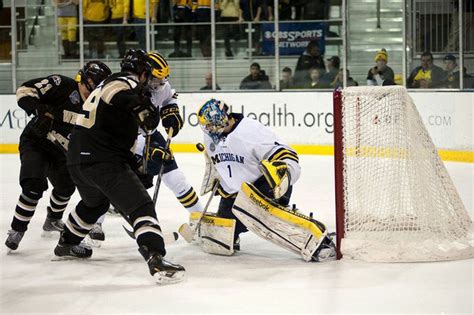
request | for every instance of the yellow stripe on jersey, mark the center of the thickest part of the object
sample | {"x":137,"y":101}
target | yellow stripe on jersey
{"x":225,"y":194}
{"x":283,"y":153}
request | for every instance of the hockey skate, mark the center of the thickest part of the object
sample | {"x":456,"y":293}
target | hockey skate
{"x":65,"y":251}
{"x":52,"y":225}
{"x":327,"y":250}
{"x":163,"y":271}
{"x":96,"y":236}
{"x":13,"y":239}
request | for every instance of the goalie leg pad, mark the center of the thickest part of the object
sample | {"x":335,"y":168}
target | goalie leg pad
{"x":215,"y":235}
{"x":210,"y":176}
{"x":293,"y":231}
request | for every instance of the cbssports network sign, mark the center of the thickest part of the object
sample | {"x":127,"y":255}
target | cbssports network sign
{"x":299,"y":118}
{"x":294,"y":37}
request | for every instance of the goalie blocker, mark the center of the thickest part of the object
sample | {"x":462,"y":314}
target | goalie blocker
{"x":288,"y":229}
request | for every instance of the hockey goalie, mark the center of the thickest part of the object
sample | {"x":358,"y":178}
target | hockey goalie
{"x":253,"y":171}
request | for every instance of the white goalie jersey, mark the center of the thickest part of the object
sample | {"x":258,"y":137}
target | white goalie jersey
{"x":238,"y":155}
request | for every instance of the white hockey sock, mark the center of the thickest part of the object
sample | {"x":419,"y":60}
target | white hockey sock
{"x":183,"y":190}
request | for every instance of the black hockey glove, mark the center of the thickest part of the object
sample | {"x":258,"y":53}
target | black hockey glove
{"x":42,"y":125}
{"x":147,"y":116}
{"x":170,"y":117}
{"x":136,"y":163}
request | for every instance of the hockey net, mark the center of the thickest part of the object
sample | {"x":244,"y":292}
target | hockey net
{"x":395,"y":200}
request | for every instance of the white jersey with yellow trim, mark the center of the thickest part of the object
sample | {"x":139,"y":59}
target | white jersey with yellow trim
{"x":162,"y":96}
{"x":237,"y":156}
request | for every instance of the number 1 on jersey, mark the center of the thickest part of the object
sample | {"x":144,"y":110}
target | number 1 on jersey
{"x":230,"y":170}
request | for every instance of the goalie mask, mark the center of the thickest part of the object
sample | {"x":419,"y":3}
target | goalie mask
{"x":213,"y":118}
{"x":96,"y":71}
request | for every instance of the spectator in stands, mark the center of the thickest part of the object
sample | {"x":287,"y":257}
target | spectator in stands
{"x":230,"y":10}
{"x":256,"y":80}
{"x":451,"y":80}
{"x":120,"y":11}
{"x":182,"y":14}
{"x":95,"y":12}
{"x":202,"y":12}
{"x":315,"y":79}
{"x":299,"y":5}
{"x":286,"y":81}
{"x":330,"y":77}
{"x":208,"y":85}
{"x":267,"y":10}
{"x":311,"y":58}
{"x":139,"y":17}
{"x":339,"y":80}
{"x":388,"y":82}
{"x":380,"y":72}
{"x":284,"y":10}
{"x":427,"y":75}
{"x":67,"y":21}
{"x":251,"y":11}
{"x":316,"y":10}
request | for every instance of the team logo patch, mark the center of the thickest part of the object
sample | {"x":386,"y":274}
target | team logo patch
{"x":56,"y":79}
{"x":212,"y":147}
{"x":74,"y":97}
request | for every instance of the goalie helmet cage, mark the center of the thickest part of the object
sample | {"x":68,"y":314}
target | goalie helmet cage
{"x":395,"y":201}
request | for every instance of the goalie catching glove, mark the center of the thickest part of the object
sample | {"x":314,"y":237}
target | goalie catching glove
{"x":170,"y":118}
{"x":277,"y":175}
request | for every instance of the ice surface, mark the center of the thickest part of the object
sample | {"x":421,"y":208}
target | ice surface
{"x":261,"y":278}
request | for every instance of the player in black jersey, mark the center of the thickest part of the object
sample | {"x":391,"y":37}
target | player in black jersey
{"x":99,"y":161}
{"x":54,"y":102}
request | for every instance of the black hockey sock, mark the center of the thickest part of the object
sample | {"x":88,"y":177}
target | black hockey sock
{"x":147,"y":230}
{"x":80,"y":221}
{"x":24,"y":211}
{"x":57,"y":205}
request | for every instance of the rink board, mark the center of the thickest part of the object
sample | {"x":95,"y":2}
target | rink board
{"x":303,"y":119}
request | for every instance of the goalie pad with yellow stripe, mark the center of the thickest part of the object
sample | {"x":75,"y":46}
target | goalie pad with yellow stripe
{"x":215,"y":235}
{"x":283,"y":227}
{"x":210,"y":176}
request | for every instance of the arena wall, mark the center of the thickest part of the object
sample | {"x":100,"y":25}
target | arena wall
{"x":303,"y":119}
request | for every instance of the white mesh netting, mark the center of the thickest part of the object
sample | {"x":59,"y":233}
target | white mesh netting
{"x":400,"y":203}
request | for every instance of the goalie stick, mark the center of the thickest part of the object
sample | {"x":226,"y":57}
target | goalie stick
{"x":185,"y":230}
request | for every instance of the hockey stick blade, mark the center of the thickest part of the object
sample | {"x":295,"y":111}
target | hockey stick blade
{"x":129,"y":233}
{"x":168,"y":238}
{"x":186,"y":232}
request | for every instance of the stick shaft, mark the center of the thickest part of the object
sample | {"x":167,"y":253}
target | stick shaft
{"x":160,"y":174}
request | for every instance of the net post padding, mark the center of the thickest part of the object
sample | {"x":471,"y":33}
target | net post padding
{"x":399,"y":203}
{"x":338,"y":164}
